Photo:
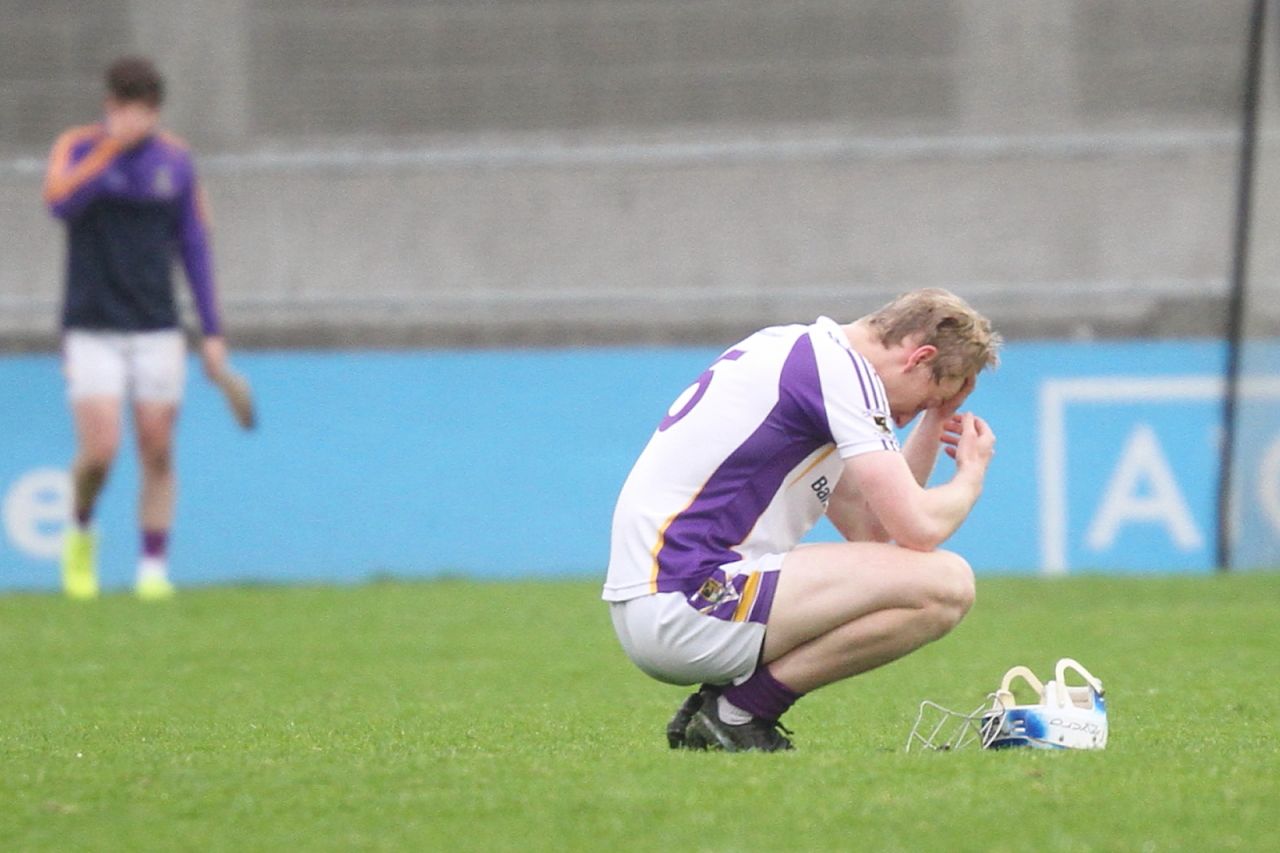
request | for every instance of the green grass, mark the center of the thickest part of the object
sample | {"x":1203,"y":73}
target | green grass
{"x":453,"y":715}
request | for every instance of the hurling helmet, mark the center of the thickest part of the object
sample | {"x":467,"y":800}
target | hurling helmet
{"x":1062,"y":717}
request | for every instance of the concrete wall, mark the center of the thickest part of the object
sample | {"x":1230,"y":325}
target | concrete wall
{"x":576,"y":170}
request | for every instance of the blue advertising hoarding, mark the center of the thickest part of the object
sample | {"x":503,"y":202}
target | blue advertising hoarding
{"x":506,"y":464}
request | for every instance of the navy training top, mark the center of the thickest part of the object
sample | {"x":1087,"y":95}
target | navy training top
{"x":128,"y":212}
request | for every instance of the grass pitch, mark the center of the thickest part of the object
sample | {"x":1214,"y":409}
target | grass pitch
{"x":451,"y":715}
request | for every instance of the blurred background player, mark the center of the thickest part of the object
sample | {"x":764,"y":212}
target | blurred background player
{"x":128,"y":194}
{"x":705,"y":579}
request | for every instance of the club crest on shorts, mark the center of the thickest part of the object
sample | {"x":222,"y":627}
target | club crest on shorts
{"x":715,"y":595}
{"x":712,"y":591}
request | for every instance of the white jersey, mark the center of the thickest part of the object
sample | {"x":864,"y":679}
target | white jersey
{"x":745,"y":460}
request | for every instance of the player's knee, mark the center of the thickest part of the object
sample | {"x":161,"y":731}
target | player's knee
{"x":953,"y":591}
{"x":962,"y":589}
{"x":95,"y":457}
{"x":155,"y":446}
{"x":157,"y":457}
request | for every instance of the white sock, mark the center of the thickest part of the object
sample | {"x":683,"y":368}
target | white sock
{"x":152,"y":567}
{"x":731,"y":713}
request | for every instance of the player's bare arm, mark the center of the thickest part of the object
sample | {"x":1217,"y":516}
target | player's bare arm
{"x":850,"y":513}
{"x":213,"y":356}
{"x":923,"y":518}
{"x":939,"y":427}
{"x":936,"y":423}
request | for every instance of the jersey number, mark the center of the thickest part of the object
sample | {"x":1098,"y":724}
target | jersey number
{"x":699,"y":389}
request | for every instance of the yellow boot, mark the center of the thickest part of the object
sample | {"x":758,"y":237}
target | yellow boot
{"x":153,"y":582}
{"x":80,"y":564}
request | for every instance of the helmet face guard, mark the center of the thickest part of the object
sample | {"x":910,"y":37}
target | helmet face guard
{"x":1063,"y":717}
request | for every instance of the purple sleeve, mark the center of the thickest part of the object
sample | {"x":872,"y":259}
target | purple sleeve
{"x":197,"y":261}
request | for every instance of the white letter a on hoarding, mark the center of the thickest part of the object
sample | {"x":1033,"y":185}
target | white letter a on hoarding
{"x":1142,"y":460}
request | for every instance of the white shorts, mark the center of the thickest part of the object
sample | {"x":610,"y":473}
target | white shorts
{"x":147,"y":367}
{"x":666,"y":636}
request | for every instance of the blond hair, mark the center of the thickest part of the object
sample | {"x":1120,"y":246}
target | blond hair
{"x":933,"y":316}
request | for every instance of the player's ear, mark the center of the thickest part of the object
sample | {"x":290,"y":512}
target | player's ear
{"x":924,"y":354}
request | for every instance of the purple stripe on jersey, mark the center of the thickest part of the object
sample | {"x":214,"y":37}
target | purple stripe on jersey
{"x":877,"y":385}
{"x":866,"y":378}
{"x":800,"y":385}
{"x":723,"y":513}
{"x":867,"y":398}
